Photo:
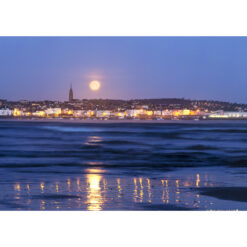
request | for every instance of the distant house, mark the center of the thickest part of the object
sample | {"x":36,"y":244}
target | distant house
{"x":103,"y":114}
{"x":53,"y":111}
{"x":6,"y":112}
{"x":222,"y":114}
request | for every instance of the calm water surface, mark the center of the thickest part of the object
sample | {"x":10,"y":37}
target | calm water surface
{"x":121,"y":166}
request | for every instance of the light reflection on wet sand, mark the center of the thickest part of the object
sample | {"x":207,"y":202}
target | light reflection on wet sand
{"x":68,"y":183}
{"x":57,"y":187}
{"x":119,"y":187}
{"x":149,"y":191}
{"x":17,"y":187}
{"x":94,"y":198}
{"x":135,"y":190}
{"x":197,"y":180}
{"x":141,"y":190}
{"x":42,"y":186}
{"x":96,"y":191}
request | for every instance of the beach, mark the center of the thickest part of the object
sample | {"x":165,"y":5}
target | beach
{"x":123,"y":165}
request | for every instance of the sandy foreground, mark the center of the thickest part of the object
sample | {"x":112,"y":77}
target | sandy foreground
{"x":226,"y":193}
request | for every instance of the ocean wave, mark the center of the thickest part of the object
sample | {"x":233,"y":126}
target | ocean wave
{"x":124,"y":142}
{"x":237,"y":161}
{"x":201,"y":147}
{"x":122,"y":145}
{"x":219,"y":130}
{"x":70,"y":129}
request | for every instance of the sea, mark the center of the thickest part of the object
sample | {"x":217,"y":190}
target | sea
{"x":135,"y":165}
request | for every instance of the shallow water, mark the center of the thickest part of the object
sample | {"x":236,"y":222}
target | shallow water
{"x":120,"y":166}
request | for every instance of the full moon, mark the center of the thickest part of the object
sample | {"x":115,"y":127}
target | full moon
{"x":94,"y":85}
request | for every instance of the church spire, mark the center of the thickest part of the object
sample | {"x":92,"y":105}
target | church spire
{"x":71,"y":93}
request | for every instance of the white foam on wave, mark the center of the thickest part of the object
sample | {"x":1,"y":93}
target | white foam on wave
{"x":71,"y":129}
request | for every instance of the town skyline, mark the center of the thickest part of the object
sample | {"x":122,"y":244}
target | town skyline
{"x":110,"y":109}
{"x":71,"y":95}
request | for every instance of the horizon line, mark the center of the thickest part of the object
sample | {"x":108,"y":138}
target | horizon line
{"x":181,"y":98}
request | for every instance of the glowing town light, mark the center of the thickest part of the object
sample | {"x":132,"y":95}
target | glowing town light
{"x":149,"y":113}
{"x":16,"y":112}
{"x":176,"y":113}
{"x":186,"y":112}
{"x":41,"y":113}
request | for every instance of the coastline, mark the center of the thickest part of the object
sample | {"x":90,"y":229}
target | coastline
{"x":63,"y":164}
{"x":56,"y":120}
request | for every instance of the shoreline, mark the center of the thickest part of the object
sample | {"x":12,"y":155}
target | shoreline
{"x":54,"y":120}
{"x":83,"y":166}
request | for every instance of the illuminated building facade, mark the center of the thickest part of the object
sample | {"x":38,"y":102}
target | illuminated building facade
{"x":222,"y":114}
{"x":6,"y":112}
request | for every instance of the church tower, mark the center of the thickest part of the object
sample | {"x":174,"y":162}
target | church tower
{"x":70,"y":94}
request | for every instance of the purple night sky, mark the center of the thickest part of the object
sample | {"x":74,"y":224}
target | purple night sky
{"x":39,"y":68}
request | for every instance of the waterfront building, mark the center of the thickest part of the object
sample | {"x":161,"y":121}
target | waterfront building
{"x":67,"y":111}
{"x":17,"y":112}
{"x":39,"y":114}
{"x":89,"y":113}
{"x":53,"y":111}
{"x":103,"y":114}
{"x":131,"y":113}
{"x":166,"y":113}
{"x":27,"y":114}
{"x":6,"y":112}
{"x":79,"y":113}
{"x":120,"y":115}
{"x":149,"y":113}
{"x":158,"y":113}
{"x":222,"y":114}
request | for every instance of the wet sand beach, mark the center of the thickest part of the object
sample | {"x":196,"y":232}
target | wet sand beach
{"x":123,"y":166}
{"x":226,"y":193}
